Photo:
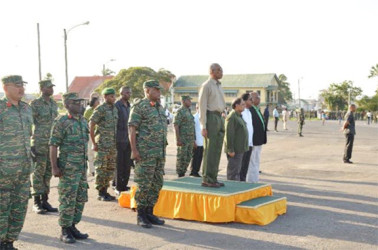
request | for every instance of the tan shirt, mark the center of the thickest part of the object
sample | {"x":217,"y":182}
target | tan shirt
{"x":211,"y":97}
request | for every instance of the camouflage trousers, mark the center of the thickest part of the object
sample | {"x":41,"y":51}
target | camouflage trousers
{"x":105,"y":163}
{"x":73,"y":193}
{"x":42,"y":175}
{"x":148,"y":174}
{"x":184,"y":156}
{"x":14,"y":195}
{"x":300,"y":126}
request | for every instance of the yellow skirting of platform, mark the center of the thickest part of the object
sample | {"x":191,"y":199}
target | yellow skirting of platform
{"x":261,"y":215}
{"x":203,"y":207}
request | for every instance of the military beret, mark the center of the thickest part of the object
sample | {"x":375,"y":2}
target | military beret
{"x":12,"y":79}
{"x":71,"y":96}
{"x":152,"y":84}
{"x":185,"y":97}
{"x":108,"y":91}
{"x":46,"y":83}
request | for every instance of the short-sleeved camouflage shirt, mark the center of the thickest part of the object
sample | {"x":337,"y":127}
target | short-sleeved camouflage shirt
{"x":106,"y":118}
{"x":44,"y":113}
{"x":15,"y":131}
{"x":70,"y":134}
{"x":185,"y":121}
{"x":151,"y":125}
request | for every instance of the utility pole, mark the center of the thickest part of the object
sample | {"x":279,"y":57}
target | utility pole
{"x":39,"y":54}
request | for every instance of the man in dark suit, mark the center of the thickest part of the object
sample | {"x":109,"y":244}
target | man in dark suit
{"x":259,"y":138}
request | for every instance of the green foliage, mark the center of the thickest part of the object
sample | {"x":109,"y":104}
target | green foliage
{"x":48,"y":77}
{"x":107,"y":72}
{"x":369,"y":103}
{"x":284,"y":92}
{"x":373,"y":71}
{"x":134,"y":77}
{"x":337,"y":95}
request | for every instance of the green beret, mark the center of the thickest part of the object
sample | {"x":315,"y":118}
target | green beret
{"x":185,"y":97}
{"x":46,"y":83}
{"x":108,"y":91}
{"x":152,"y":84}
{"x":12,"y":79}
{"x":71,"y":96}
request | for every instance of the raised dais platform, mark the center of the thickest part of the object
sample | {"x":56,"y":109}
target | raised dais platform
{"x":185,"y":198}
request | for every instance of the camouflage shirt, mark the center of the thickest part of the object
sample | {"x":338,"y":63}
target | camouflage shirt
{"x":301,"y":118}
{"x":151,"y":125}
{"x":15,"y":131}
{"x":106,"y":118}
{"x":70,"y":134}
{"x":185,"y":121}
{"x":44,"y":113}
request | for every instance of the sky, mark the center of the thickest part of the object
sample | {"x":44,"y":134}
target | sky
{"x":314,"y":42}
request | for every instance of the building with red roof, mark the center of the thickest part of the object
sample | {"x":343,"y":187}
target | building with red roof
{"x":85,"y":85}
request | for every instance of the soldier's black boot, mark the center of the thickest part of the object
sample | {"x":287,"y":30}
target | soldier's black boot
{"x":67,"y":236}
{"x":104,"y":196}
{"x":142,"y":219}
{"x":46,"y":205}
{"x":152,"y":218}
{"x":9,"y":246}
{"x":37,"y":207}
{"x":77,"y":234}
{"x":181,"y":175}
{"x":3,"y":245}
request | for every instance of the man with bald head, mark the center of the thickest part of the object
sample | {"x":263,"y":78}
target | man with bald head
{"x":259,"y":138}
{"x":211,"y":106}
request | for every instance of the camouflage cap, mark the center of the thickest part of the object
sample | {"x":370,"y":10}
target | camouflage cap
{"x":108,"y":91}
{"x":46,"y":83}
{"x":185,"y":97}
{"x":152,"y":84}
{"x":71,"y":96}
{"x":12,"y":79}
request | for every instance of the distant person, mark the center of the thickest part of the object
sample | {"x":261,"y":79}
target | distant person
{"x":339,"y":117}
{"x":323,"y":117}
{"x":247,"y":117}
{"x":276,"y":116}
{"x":301,"y":122}
{"x":185,"y":135}
{"x":349,"y":132}
{"x":198,"y":147}
{"x":285,"y":116}
{"x":124,"y":163}
{"x":368,"y":115}
{"x":236,"y":139}
{"x":266,"y":116}
{"x":93,"y":103}
{"x":211,"y":106}
{"x":259,"y":139}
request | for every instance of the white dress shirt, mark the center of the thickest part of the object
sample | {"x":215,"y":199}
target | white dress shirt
{"x":247,"y":117}
{"x":199,"y":138}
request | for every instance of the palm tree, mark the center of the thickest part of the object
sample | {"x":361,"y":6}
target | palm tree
{"x":373,"y":71}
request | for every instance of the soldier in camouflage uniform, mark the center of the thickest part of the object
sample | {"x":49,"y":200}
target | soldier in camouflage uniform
{"x":15,"y":159}
{"x":301,"y":121}
{"x":69,"y":133}
{"x":148,"y":140}
{"x":45,"y":110}
{"x":185,"y":135}
{"x":105,"y":117}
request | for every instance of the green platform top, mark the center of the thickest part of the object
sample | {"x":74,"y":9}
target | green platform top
{"x":193,"y":185}
{"x":261,"y":201}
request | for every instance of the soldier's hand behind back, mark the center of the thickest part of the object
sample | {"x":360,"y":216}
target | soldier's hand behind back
{"x":135,"y":155}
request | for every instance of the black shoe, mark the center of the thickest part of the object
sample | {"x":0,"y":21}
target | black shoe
{"x":152,"y":218}
{"x":47,"y":206}
{"x":7,"y":246}
{"x":104,"y":196}
{"x":37,"y":207}
{"x":181,"y":175}
{"x":142,"y":219}
{"x":195,"y":175}
{"x":67,"y":236}
{"x":221,"y":184}
{"x":77,"y":234}
{"x":348,"y":161}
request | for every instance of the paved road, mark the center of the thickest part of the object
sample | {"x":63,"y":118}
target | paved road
{"x":331,"y":205}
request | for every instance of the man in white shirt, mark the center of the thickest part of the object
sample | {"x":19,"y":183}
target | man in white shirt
{"x":247,"y":117}
{"x":284,"y":118}
{"x":198,"y":147}
{"x":276,"y":116}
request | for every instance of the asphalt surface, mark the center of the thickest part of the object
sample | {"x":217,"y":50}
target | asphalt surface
{"x":331,"y":205}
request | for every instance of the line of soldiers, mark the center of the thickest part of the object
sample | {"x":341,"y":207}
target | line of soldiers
{"x":69,"y":135}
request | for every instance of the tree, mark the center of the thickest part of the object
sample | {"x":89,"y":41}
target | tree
{"x":134,"y":77}
{"x":337,"y":95}
{"x":284,"y":92}
{"x":48,"y":77}
{"x":107,"y":72}
{"x":373,"y":71}
{"x":369,"y":103}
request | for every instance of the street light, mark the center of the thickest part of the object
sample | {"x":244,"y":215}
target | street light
{"x":103,"y":66}
{"x":65,"y":48}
